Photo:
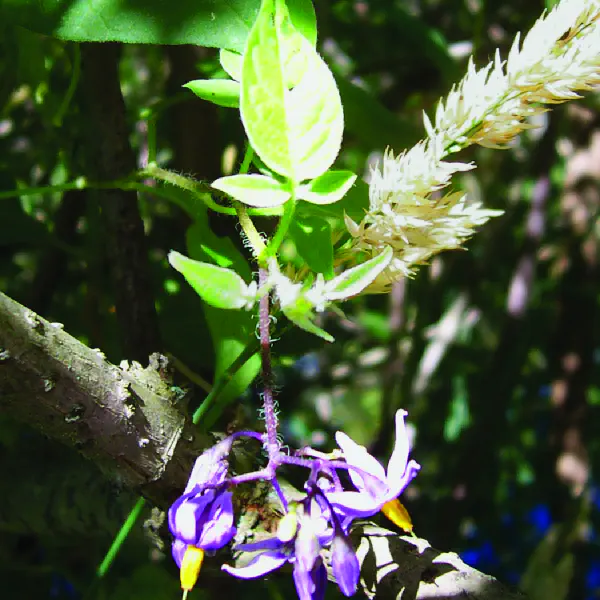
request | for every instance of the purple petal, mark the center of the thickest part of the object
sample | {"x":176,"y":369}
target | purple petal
{"x":355,"y":504}
{"x":307,"y":547}
{"x":397,"y":462}
{"x":217,"y":528}
{"x":206,"y":471}
{"x":268,"y":544}
{"x":412,"y":469}
{"x":178,"y":550}
{"x":344,"y":564}
{"x":261,"y":565}
{"x":358,"y":456}
{"x":310,"y":585}
{"x":185,"y":516}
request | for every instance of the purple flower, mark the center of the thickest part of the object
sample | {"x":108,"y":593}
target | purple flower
{"x":376,"y":486}
{"x":301,"y":537}
{"x":202,"y":518}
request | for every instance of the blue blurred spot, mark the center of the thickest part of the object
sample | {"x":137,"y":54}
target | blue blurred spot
{"x":595,"y":496}
{"x":592,"y":578}
{"x":61,"y":587}
{"x":308,"y":366}
{"x":545,"y":391}
{"x":540,"y":518}
{"x":488,"y":554}
{"x":482,"y":557}
{"x":471,"y":557}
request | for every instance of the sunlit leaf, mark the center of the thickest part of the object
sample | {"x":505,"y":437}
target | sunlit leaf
{"x":219,"y":287}
{"x":255,"y":190}
{"x":355,"y":280}
{"x":327,"y":188}
{"x":223,"y":92}
{"x":297,"y":132}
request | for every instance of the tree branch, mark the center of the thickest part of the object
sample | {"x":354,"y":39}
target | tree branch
{"x":394,"y":566}
{"x":123,"y":419}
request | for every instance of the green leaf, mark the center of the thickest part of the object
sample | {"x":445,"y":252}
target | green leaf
{"x":219,"y":287}
{"x":232,"y":63}
{"x":223,"y":92}
{"x":297,"y":132}
{"x":260,"y":191}
{"x":312,"y":236}
{"x":327,"y":188}
{"x":301,"y":314}
{"x":355,"y":280}
{"x":214,"y":23}
{"x":230,"y":330}
{"x":354,"y":204}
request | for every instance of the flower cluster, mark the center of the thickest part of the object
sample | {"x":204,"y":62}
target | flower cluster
{"x":557,"y":58}
{"x":313,"y":530}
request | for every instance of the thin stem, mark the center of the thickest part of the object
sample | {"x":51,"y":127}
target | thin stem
{"x":79,"y":184}
{"x":121,"y":536}
{"x":151,"y":137}
{"x":220,"y":383}
{"x":75,"y":73}
{"x":284,"y":224}
{"x":191,"y":375}
{"x":264,"y":326}
{"x":248,"y":156}
{"x":258,"y":246}
{"x":280,"y":494}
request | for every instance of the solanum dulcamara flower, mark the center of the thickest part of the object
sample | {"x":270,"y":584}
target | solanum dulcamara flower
{"x":378,"y":488}
{"x":202,"y":518}
{"x":303,"y":533}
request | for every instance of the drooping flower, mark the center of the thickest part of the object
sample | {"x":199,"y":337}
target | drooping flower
{"x":304,"y":532}
{"x":202,"y":518}
{"x":377,"y":487}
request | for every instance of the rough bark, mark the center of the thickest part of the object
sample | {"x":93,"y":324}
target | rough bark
{"x":394,"y":566}
{"x":126,"y":421}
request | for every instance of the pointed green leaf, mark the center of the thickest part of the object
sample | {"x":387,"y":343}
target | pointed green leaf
{"x":297,"y":132}
{"x":232,"y":63}
{"x":303,"y":320}
{"x":219,"y":287}
{"x":255,"y":190}
{"x":312,"y":236}
{"x":223,"y":92}
{"x":355,"y":280}
{"x":327,"y":188}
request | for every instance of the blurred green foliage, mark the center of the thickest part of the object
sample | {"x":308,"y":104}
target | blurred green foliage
{"x":494,"y":352}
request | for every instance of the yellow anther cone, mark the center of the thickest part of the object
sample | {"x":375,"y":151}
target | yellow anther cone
{"x":394,"y":510}
{"x":190,"y":568}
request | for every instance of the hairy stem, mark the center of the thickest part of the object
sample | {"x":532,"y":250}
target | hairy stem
{"x":264,"y":324}
{"x":258,"y":246}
